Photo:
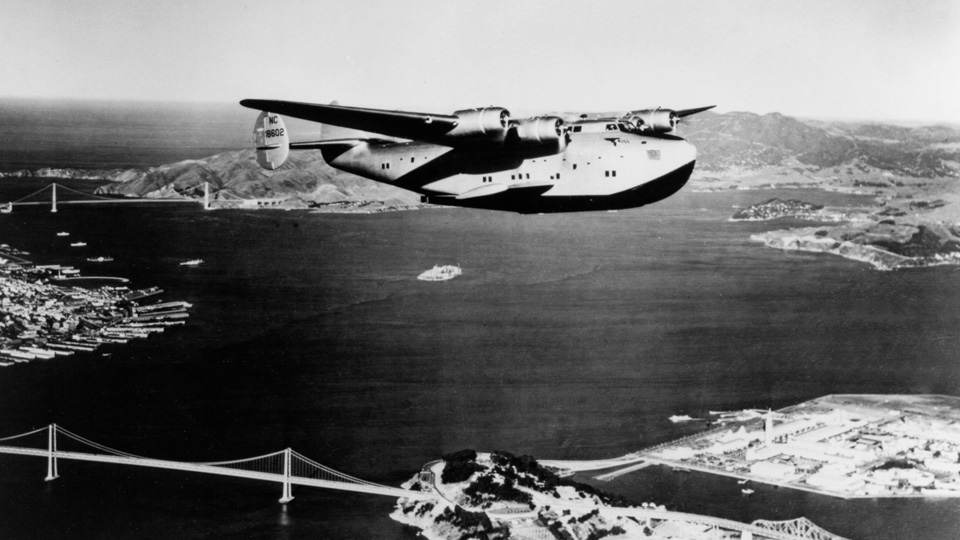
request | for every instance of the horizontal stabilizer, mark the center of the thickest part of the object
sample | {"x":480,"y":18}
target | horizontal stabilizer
{"x":327,"y":143}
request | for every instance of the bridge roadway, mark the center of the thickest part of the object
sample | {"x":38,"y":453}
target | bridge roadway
{"x":107,"y":201}
{"x":224,"y":471}
{"x":592,"y":465}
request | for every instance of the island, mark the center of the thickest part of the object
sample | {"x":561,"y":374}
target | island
{"x":847,"y":446}
{"x":498,"y":495}
{"x":874,"y":238}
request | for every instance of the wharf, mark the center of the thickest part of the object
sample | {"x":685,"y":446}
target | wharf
{"x":846,"y":446}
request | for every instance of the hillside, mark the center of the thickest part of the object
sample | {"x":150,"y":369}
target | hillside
{"x":744,"y":141}
{"x":305,"y":178}
{"x":736,"y":150}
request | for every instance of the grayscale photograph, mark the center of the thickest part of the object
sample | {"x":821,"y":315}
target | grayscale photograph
{"x":480,"y":270}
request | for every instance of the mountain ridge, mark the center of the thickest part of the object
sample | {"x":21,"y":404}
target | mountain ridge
{"x":733,"y":143}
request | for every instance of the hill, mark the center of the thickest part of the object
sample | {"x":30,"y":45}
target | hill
{"x":305,"y":178}
{"x":736,"y":150}
{"x":746,"y":141}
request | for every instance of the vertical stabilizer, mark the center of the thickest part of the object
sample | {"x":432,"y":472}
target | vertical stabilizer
{"x":271,"y":140}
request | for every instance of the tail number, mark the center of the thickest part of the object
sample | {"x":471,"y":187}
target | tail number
{"x":274,"y":132}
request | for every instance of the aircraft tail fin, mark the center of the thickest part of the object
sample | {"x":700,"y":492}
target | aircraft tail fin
{"x":270,"y":140}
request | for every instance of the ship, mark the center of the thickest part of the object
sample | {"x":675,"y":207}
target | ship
{"x":63,"y":234}
{"x":192,"y":262}
{"x":78,"y":244}
{"x":440,"y":273}
{"x":100,"y":259}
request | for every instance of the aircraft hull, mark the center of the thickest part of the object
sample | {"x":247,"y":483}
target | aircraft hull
{"x":532,"y":200}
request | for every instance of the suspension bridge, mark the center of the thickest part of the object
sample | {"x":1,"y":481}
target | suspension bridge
{"x":219,"y":197}
{"x":286,"y":467}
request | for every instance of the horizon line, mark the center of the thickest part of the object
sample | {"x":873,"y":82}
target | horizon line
{"x":903,"y":122}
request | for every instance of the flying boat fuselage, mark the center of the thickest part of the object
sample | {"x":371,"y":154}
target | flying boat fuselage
{"x":537,"y":165}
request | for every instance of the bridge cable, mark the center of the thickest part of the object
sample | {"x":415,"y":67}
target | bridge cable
{"x":44,"y":428}
{"x":97,"y":445}
{"x":32,"y":194}
{"x":237,"y":461}
{"x":100,"y":197}
{"x":332,"y":471}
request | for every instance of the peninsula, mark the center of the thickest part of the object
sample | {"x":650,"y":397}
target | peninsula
{"x":42,"y":318}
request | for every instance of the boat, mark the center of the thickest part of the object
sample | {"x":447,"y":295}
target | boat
{"x":680,"y":418}
{"x":192,"y":262}
{"x":63,"y":233}
{"x":742,"y":482}
{"x":78,"y":244}
{"x":746,"y":491}
{"x":681,"y":469}
{"x":7,"y":209}
{"x":100,"y":259}
{"x":440,"y":273}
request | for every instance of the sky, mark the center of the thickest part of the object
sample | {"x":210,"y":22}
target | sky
{"x":856,"y":59}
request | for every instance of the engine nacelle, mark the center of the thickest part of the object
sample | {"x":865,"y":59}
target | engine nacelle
{"x":657,"y":120}
{"x":542,"y":130}
{"x":488,"y":124}
{"x":536,"y":137}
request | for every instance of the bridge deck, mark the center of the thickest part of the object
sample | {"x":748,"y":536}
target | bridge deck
{"x":223,"y":471}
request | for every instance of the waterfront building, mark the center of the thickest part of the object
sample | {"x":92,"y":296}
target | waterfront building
{"x":773,"y":470}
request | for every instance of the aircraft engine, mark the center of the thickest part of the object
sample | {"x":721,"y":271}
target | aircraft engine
{"x":271,"y":141}
{"x":489,"y":123}
{"x":658,"y":120}
{"x":542,"y":130}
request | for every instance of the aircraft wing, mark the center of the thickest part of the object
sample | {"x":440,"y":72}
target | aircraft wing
{"x":404,"y":125}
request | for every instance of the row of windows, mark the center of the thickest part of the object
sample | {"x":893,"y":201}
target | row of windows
{"x":387,"y":165}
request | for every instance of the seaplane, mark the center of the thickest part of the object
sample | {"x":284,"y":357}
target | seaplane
{"x":485,"y":158}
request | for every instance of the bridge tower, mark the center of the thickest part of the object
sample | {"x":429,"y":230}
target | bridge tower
{"x":52,"y":442}
{"x":287,"y":490}
{"x":54,"y":208}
